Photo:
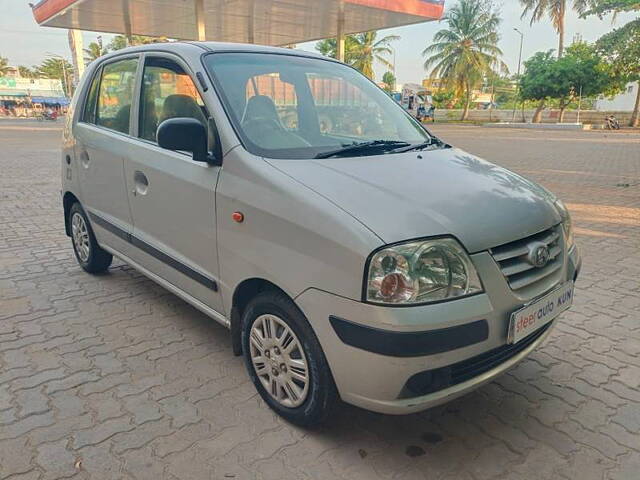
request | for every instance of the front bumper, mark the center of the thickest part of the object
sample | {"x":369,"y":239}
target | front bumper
{"x":375,"y":376}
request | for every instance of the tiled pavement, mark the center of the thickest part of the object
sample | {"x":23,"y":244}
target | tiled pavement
{"x":114,"y":377}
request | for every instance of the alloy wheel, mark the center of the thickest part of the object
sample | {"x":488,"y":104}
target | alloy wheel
{"x":80,"y":236}
{"x":279,"y":360}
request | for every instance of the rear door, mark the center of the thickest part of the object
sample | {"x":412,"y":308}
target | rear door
{"x":102,"y":135}
{"x":172,"y":197}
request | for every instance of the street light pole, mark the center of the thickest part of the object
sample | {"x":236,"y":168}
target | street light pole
{"x":513,"y":119}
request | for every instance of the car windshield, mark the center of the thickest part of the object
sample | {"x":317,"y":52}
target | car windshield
{"x":288,"y":106}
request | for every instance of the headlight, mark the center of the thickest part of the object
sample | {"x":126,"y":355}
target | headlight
{"x":567,"y":225}
{"x":421,"y":272}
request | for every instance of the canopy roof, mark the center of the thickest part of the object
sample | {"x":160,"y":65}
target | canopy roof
{"x":266,"y":22}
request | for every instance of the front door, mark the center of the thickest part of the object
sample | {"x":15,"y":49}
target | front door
{"x":172,"y":197}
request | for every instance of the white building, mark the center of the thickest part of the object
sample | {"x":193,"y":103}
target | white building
{"x":623,"y":102}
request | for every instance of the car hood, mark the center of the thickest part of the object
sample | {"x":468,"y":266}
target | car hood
{"x":437,"y":192}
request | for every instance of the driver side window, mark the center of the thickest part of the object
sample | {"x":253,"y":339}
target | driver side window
{"x":167,"y":92}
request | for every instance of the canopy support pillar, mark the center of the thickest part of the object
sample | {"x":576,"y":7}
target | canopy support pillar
{"x":127,"y":22}
{"x":251,"y":22}
{"x":340,"y":40}
{"x":200,"y":20}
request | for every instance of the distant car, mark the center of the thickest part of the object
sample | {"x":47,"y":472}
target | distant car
{"x":353,"y":254}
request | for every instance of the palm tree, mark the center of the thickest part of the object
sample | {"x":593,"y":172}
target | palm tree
{"x":4,"y":66}
{"x":368,"y":48}
{"x":59,"y":69}
{"x":467,"y":51}
{"x":27,"y":72}
{"x":556,"y":10}
{"x":94,"y":51}
{"x":361,"y":50}
{"x":122,"y":41}
{"x":328,"y":48}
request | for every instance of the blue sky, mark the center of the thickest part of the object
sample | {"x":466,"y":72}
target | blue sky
{"x":24,"y":43}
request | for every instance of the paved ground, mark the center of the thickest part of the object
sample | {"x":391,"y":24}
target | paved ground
{"x":114,"y":377}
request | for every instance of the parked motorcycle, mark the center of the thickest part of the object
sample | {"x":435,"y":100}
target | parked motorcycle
{"x":612,"y":123}
{"x":48,"y":116}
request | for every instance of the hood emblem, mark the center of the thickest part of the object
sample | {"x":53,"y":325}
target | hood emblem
{"x":539,"y":254}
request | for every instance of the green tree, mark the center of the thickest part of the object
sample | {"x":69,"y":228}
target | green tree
{"x":604,"y":7}
{"x":94,"y":51}
{"x":556,"y":10}
{"x":389,"y":80}
{"x":122,"y":41}
{"x":582,"y":71}
{"x":57,"y":68}
{"x":465,"y":52}
{"x":535,"y":83}
{"x":621,"y":49}
{"x":445,"y":99}
{"x":4,"y":66}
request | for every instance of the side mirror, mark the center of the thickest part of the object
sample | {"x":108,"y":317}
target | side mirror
{"x":189,"y":135}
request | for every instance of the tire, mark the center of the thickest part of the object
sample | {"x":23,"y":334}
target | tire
{"x":304,"y":406}
{"x":89,"y":255}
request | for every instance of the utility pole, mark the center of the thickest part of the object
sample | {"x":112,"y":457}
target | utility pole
{"x":515,"y":100}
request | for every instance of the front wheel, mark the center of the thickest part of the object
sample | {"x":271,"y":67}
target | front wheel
{"x":90,"y":256}
{"x":285,"y":361}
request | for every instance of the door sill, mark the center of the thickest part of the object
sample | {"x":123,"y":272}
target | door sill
{"x":210,"y":312}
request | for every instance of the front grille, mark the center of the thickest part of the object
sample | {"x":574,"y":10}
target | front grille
{"x":431,"y":381}
{"x":524,"y":277}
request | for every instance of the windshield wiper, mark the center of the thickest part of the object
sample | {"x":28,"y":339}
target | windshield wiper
{"x":432,"y":142}
{"x":362,"y":147}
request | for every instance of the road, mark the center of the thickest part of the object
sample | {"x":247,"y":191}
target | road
{"x":114,"y":377}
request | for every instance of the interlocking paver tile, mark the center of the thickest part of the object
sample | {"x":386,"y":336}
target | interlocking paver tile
{"x":113,"y":377}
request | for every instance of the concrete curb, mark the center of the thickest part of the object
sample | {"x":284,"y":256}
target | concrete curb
{"x":539,"y":126}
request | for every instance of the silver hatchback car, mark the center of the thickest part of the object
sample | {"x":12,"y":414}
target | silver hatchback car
{"x":352,"y":254}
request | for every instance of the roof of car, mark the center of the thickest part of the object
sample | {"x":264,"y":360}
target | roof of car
{"x":183,"y":46}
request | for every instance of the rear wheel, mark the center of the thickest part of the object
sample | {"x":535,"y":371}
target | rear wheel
{"x":285,"y":361}
{"x":90,"y":256}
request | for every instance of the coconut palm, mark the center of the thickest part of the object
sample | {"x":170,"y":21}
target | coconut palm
{"x":27,"y":72}
{"x":361,"y":50}
{"x":463,"y":54}
{"x":556,"y":10}
{"x":93,"y":51}
{"x":4,"y":66}
{"x":368,"y":48}
{"x":328,"y":48}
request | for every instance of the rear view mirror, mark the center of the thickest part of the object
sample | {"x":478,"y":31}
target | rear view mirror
{"x":189,"y":135}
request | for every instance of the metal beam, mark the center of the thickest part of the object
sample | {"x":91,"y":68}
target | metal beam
{"x":201,"y":25}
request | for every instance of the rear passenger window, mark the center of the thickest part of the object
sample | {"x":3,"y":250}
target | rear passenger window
{"x":89,"y":114}
{"x":167,"y":92}
{"x":115,"y":95}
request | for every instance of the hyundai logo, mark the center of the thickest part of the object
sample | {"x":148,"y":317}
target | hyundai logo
{"x":539,"y":255}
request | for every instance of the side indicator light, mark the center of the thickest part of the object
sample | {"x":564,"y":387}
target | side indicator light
{"x":238,"y":217}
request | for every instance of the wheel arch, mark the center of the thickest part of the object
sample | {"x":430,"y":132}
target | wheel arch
{"x":67,"y":202}
{"x":242,"y":295}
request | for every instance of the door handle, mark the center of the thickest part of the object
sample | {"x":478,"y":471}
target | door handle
{"x":141,"y":183}
{"x":84,"y":159}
